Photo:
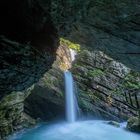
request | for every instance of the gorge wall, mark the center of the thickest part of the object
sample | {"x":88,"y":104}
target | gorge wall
{"x":110,"y":26}
{"x":29,"y":38}
{"x":28,"y":44}
{"x":107,"y":25}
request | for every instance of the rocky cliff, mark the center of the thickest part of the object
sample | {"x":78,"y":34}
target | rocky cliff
{"x":107,"y":25}
{"x":16,"y":108}
{"x":103,"y":86}
{"x":28,"y":44}
{"x":111,"y":26}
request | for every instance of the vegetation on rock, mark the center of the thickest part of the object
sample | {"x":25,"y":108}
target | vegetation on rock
{"x":132,"y":81}
{"x":100,"y":77}
{"x":96,"y":72}
{"x":133,"y":124}
{"x":70,"y":44}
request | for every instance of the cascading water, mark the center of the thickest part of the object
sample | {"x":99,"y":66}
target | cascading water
{"x":70,"y":98}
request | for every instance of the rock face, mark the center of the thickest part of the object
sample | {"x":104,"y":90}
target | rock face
{"x":25,"y":22}
{"x":107,"y":25}
{"x":16,"y":108}
{"x":21,"y":66}
{"x":102,"y":85}
{"x":12,"y":116}
{"x":28,"y":44}
{"x":47,"y":97}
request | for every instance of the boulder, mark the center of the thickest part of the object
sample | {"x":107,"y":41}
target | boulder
{"x":133,"y":124}
{"x":113,"y":123}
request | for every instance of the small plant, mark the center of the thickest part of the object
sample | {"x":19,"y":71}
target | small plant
{"x":70,"y":44}
{"x":76,"y":65}
{"x":48,"y":81}
{"x":130,"y":81}
{"x":131,"y":85}
{"x":109,"y":99}
{"x":96,"y":72}
{"x":94,"y":97}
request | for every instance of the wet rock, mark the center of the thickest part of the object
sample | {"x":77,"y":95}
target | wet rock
{"x":133,"y":124}
{"x":113,"y":123}
{"x":12,"y":116}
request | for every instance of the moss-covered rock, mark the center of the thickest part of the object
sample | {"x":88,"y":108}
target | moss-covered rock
{"x":70,"y":44}
{"x":100,"y":81}
{"x":12,"y":116}
{"x":133,"y":124}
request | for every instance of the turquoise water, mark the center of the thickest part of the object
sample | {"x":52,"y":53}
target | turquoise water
{"x":84,"y":130}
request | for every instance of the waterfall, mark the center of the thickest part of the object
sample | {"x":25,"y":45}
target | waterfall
{"x":70,"y":98}
{"x":72,"y":54}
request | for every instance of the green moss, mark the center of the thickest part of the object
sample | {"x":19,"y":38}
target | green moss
{"x":117,"y":91}
{"x":76,"y":65}
{"x":130,"y":81}
{"x":14,"y":97}
{"x":48,"y":81}
{"x":131,"y":85}
{"x":86,"y":105}
{"x":133,"y":125}
{"x":70,"y":44}
{"x":96,"y":72}
{"x":60,"y":94}
{"x":94,"y":97}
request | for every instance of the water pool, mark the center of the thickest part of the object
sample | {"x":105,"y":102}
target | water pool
{"x":82,"y":130}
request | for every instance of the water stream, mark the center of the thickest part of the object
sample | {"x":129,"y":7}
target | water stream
{"x":70,"y":98}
